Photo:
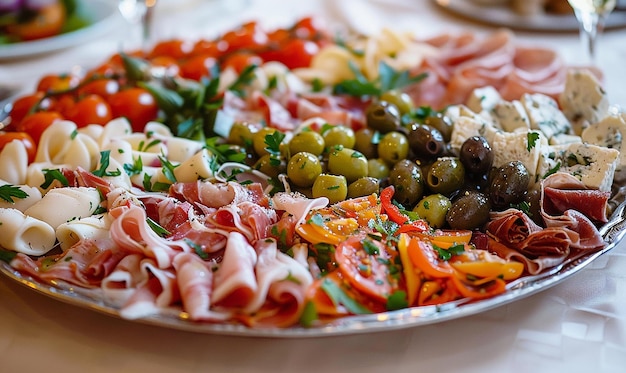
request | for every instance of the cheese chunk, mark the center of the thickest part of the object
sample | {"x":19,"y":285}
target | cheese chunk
{"x":514,"y":146}
{"x":544,"y":115}
{"x":511,"y":116}
{"x":610,"y":132}
{"x":593,"y":165}
{"x":583,"y":100}
{"x":466,"y":127}
{"x":564,"y":138}
{"x":484,"y":98}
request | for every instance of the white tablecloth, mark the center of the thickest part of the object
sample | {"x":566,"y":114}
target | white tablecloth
{"x":577,"y":326}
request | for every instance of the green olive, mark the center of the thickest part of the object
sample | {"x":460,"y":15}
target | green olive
{"x":446,"y":176}
{"x":271,"y":165}
{"x":425,"y":141}
{"x":433,"y":209}
{"x":469,"y":211}
{"x":406,"y":177}
{"x":303,"y":168}
{"x":307,"y":141}
{"x":377,"y":168}
{"x":363,"y":187}
{"x":259,"y":142}
{"x":240,"y":134}
{"x":400,"y":99}
{"x":366,"y":142}
{"x":347,"y":162}
{"x":382,"y":116}
{"x":509,"y":184}
{"x":393,"y":146}
{"x":476,"y":156}
{"x":339,"y":135}
{"x":333,"y":187}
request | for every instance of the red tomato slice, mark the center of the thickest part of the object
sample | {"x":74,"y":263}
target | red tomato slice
{"x":367,"y":265}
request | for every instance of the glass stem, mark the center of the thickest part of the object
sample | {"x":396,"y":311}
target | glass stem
{"x":590,"y":23}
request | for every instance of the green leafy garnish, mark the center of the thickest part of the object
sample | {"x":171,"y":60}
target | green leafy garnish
{"x":532,"y":140}
{"x":397,"y":300}
{"x":7,"y":256}
{"x":369,"y":247}
{"x":104,"y":164}
{"x":50,"y":175}
{"x":339,"y":296}
{"x":158,"y":229}
{"x":309,"y":315}
{"x":273,"y":141}
{"x":8,"y":192}
{"x":197,"y":249}
{"x":388,"y":79}
{"x":446,"y":254}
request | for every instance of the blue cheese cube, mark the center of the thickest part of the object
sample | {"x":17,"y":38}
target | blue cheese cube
{"x":610,"y":132}
{"x":593,"y":165}
{"x":583,"y":100}
{"x":544,"y":115}
{"x":563,"y":138}
{"x":466,"y":127}
{"x":511,"y":116}
{"x":483,"y":99}
{"x":519,"y":146}
{"x":550,"y":160}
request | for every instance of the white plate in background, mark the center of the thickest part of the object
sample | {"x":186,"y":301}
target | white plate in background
{"x":102,"y":15}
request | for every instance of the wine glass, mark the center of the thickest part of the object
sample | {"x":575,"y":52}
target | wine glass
{"x":139,"y":14}
{"x":591,"y":15}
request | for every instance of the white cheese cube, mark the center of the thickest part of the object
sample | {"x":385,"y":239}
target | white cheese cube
{"x":484,"y":98}
{"x":593,"y":165}
{"x":610,"y":132}
{"x":466,"y":127}
{"x":583,"y":100}
{"x":564,"y":138}
{"x":519,"y":146}
{"x":544,"y":114}
{"x":511,"y":116}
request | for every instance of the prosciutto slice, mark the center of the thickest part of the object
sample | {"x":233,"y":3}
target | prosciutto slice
{"x":516,"y":230}
{"x":562,"y":192}
{"x":235,"y":281}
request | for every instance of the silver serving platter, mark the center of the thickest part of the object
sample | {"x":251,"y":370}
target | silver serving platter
{"x":612,"y":232}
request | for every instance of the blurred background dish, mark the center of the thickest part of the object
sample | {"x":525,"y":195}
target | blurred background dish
{"x":102,"y":16}
{"x":527,"y":15}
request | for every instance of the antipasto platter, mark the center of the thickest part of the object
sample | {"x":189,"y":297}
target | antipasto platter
{"x":290,"y":183}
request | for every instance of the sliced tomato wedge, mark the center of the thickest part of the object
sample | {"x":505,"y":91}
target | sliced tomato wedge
{"x":368,"y":265}
{"x":424,"y":257}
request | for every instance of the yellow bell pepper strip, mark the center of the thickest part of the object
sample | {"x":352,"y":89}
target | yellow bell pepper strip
{"x":438,"y":291}
{"x":411,"y":274}
{"x":484,"y":269}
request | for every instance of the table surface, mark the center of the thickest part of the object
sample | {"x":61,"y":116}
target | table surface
{"x":577,"y":325}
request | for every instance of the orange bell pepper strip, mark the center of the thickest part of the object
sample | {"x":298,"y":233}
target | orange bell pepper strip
{"x":487,"y":290}
{"x":446,"y":238}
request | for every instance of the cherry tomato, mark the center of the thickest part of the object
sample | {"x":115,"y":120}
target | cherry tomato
{"x":209,"y":48}
{"x":168,"y":63}
{"x":308,"y":28}
{"x":25,"y":138}
{"x":57,"y":83}
{"x":62,"y":104}
{"x":92,"y":109}
{"x":175,"y":48}
{"x":26,"y":105}
{"x":198,"y":67}
{"x":101,"y":87}
{"x":240,"y":60}
{"x":367,"y":264}
{"x":35,"y":124}
{"x":249,"y":36}
{"x":136,"y":104}
{"x":47,"y":22}
{"x":293,"y":53}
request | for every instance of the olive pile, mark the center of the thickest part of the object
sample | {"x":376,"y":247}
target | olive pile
{"x":397,"y":147}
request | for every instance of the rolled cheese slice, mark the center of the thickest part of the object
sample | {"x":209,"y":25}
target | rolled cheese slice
{"x":61,"y":205}
{"x":25,"y":234}
{"x":93,"y":228}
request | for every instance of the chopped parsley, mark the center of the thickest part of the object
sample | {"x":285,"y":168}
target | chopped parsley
{"x":8,"y":192}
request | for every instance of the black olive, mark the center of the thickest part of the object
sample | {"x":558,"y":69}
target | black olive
{"x":425,"y":141}
{"x":469,"y":211}
{"x":476,"y":155}
{"x":508,"y":185}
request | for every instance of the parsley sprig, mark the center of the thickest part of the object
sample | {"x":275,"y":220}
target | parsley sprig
{"x":388,"y":79}
{"x":8,"y":192}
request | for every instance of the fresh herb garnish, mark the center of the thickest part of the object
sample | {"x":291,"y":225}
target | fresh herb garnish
{"x":50,"y":175}
{"x":532,"y":140}
{"x":388,"y":79}
{"x":8,"y":192}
